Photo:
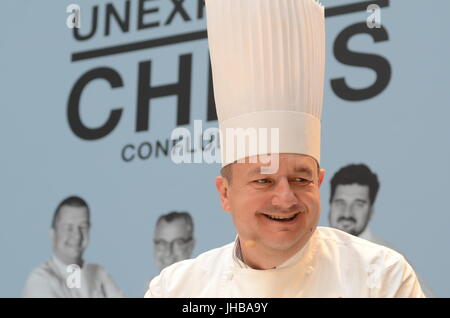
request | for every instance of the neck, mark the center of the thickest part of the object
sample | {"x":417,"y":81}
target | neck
{"x":261,"y":257}
{"x":365,"y":233}
{"x":70,"y":260}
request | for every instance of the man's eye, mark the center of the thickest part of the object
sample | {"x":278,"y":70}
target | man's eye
{"x":338,"y":203}
{"x":262,"y":181}
{"x":302,"y":180}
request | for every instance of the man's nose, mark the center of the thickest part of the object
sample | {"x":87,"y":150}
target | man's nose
{"x":169,"y":250}
{"x":348,"y":212}
{"x":76,"y":233}
{"x":284,"y":197}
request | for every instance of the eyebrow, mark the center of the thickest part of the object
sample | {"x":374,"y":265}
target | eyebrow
{"x":70,"y":223}
{"x":308,"y":171}
{"x":256,"y":170}
{"x":358,"y":200}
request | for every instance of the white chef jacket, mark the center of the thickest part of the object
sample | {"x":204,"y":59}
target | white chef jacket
{"x":332,"y":264}
{"x":368,"y":235}
{"x":49,"y":281}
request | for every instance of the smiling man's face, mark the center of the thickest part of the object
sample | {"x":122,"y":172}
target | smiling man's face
{"x":350,"y":208}
{"x":173,"y":242}
{"x":277,"y":211}
{"x":71,"y":233}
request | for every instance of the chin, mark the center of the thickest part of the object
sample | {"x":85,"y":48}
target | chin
{"x":283,"y":243}
{"x":74,"y":253}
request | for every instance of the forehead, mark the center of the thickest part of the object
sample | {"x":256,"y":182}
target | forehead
{"x":175,"y":228}
{"x":352,"y":191}
{"x":288,"y":163}
{"x":73,"y":214}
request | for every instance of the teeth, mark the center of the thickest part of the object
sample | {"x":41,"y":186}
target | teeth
{"x":277,"y":217}
{"x":274,"y":217}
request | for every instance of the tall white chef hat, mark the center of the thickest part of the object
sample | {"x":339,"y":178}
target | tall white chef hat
{"x":268,"y":65}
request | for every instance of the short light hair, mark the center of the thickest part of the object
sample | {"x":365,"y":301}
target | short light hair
{"x":174,"y":215}
{"x":227,"y":173}
{"x":73,"y":201}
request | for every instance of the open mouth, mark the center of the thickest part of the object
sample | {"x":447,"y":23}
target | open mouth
{"x":280,"y":218}
{"x":73,"y":245}
{"x":347,"y":223}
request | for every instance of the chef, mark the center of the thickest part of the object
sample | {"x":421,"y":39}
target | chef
{"x":268,"y":62}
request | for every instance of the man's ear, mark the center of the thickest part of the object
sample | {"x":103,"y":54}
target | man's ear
{"x":370,"y":212}
{"x":51,"y":234}
{"x":321,"y":176}
{"x":192,"y":245}
{"x":223,"y":186}
{"x":329,"y":217}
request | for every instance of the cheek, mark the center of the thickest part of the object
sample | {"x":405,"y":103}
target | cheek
{"x":310,"y":199}
{"x":312,"y":202}
{"x":249,"y":208}
{"x":60,"y":237}
{"x":244,"y":202}
{"x":364,"y":215}
{"x":334,"y":214}
{"x":85,"y":235}
{"x":243,"y":211}
{"x":315,"y":209}
{"x":183,"y":253}
{"x":337,"y":210}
